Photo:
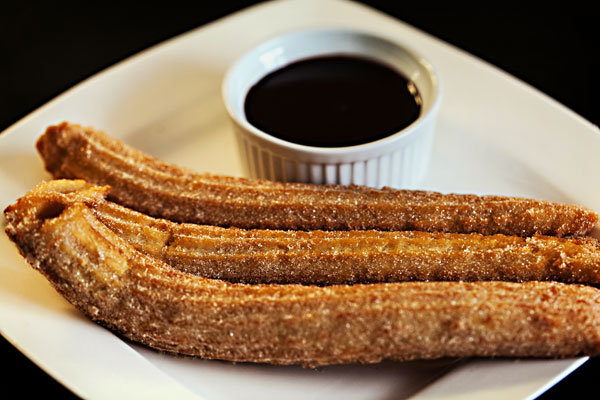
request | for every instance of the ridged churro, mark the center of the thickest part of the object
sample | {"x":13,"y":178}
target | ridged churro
{"x":335,"y":257}
{"x":147,"y":301}
{"x":165,"y":190}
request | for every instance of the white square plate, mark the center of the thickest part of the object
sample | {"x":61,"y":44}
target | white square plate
{"x":495,"y":135}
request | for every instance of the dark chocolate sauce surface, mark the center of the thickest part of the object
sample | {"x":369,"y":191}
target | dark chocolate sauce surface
{"x":333,"y":101}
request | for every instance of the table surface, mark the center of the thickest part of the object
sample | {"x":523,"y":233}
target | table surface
{"x":47,"y":49}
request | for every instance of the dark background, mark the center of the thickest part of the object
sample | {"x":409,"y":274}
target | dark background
{"x":45,"y":49}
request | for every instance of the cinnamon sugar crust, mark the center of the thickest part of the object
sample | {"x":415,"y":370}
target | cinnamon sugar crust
{"x":152,"y":303}
{"x":334,"y":257}
{"x":165,"y":190}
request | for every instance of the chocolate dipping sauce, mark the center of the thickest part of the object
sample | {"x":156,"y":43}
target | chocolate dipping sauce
{"x":333,"y":101}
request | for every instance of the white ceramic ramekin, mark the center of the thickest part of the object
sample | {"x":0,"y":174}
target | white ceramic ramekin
{"x":398,"y":160}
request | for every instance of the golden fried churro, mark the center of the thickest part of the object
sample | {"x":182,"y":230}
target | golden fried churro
{"x":334,"y":257}
{"x":147,"y":301}
{"x":165,"y":190}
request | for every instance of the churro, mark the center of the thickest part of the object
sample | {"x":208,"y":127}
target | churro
{"x":149,"y":302}
{"x":165,"y":190}
{"x":335,"y":257}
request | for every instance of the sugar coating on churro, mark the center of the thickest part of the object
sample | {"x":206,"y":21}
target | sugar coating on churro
{"x":147,"y":301}
{"x":336,"y":257}
{"x":165,"y":190}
